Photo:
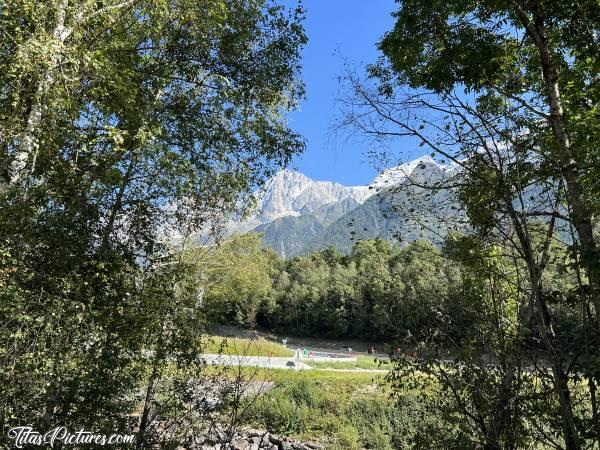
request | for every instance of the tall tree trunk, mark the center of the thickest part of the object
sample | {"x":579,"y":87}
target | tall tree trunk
{"x":27,"y":147}
{"x":581,"y":214}
{"x":155,"y":376}
{"x":500,"y":419}
{"x":148,"y":401}
{"x":586,"y":314}
{"x":544,"y":322}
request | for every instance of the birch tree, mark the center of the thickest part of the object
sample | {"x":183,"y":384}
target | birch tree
{"x":125,"y":125}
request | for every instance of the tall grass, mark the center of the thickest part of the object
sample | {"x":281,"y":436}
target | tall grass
{"x":362,"y":362}
{"x":245,"y":347}
{"x":338,"y":414}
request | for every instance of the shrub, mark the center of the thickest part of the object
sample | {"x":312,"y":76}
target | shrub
{"x":377,"y":438}
{"x":305,"y":392}
{"x":280,"y":414}
{"x":347,"y":438}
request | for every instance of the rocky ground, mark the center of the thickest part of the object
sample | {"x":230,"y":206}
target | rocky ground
{"x":253,"y":440}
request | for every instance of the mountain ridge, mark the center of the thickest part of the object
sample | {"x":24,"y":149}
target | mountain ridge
{"x":297,"y":215}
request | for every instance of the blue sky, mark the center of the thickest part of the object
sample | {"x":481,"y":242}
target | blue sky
{"x":337,"y":30}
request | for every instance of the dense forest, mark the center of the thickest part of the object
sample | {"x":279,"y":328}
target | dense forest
{"x":379,"y":291}
{"x":419,"y":294}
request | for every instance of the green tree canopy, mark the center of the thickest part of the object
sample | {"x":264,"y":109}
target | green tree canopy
{"x":124,"y":125}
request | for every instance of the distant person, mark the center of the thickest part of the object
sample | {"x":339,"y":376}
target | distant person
{"x":284,"y":340}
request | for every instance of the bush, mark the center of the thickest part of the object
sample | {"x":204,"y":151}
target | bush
{"x":369,"y":410}
{"x":280,"y":414}
{"x":377,"y":438}
{"x":312,"y":408}
{"x":293,"y":408}
{"x":347,"y":438}
{"x":305,"y":392}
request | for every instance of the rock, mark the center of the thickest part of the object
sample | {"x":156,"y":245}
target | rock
{"x":249,"y":440}
{"x":239,"y":444}
{"x":275,"y":439}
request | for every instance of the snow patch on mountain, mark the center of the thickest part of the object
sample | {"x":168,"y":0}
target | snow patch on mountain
{"x":403,"y":173}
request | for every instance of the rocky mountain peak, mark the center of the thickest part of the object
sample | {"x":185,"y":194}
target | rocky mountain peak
{"x":401,"y":173}
{"x":296,"y":214}
{"x":291,"y":193}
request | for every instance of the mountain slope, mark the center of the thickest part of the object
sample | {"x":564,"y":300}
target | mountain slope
{"x":297,"y":215}
{"x":288,"y":235}
{"x":400,"y":213}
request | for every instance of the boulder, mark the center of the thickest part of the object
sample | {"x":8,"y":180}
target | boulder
{"x":240,"y":444}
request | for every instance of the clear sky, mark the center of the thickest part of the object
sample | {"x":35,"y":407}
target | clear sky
{"x":337,"y":30}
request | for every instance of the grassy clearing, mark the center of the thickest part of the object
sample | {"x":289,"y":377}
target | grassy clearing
{"x":362,"y":362}
{"x":245,"y":347}
{"x":348,"y":409}
{"x":354,"y":379}
{"x":349,"y":377}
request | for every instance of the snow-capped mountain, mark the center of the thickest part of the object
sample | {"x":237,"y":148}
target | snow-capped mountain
{"x":297,"y":214}
{"x":402,"y":173}
{"x":291,"y":193}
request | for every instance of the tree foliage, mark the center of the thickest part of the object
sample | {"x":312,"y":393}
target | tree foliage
{"x":505,"y":92}
{"x":124,"y":125}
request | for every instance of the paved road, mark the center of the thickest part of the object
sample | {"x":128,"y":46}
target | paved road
{"x":272,"y":363}
{"x":255,"y":361}
{"x":338,"y":352}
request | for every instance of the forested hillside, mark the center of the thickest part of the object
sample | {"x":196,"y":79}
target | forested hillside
{"x":419,"y":294}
